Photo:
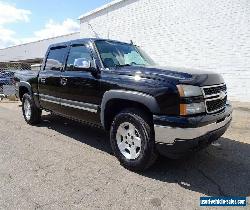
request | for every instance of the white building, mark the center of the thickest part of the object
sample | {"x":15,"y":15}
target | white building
{"x":210,"y":35}
{"x":34,"y":51}
{"x":207,"y":35}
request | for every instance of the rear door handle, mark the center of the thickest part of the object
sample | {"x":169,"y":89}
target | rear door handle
{"x":64,"y":81}
{"x":43,"y":80}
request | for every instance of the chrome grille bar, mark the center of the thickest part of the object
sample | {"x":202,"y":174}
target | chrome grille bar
{"x":217,"y":97}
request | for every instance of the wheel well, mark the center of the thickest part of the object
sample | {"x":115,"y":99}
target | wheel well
{"x":114,"y":106}
{"x":22,"y":91}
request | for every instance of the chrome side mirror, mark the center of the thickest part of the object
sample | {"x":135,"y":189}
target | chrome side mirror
{"x":82,"y":63}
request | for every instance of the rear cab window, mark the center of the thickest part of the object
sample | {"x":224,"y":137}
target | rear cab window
{"x":55,"y":58}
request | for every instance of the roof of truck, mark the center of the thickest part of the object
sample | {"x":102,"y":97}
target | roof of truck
{"x":83,"y":40}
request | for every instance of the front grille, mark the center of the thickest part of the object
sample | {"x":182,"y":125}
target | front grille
{"x":215,"y":97}
{"x":216,"y":105}
{"x":214,"y":90}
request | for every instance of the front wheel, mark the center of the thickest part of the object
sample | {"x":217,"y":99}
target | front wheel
{"x":132,"y":140}
{"x":31,"y":113}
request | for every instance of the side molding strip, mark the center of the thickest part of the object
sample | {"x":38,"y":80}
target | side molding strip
{"x":80,"y":105}
{"x":69,"y":103}
{"x":50,"y":101}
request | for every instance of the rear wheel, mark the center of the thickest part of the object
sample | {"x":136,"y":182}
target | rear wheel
{"x":132,"y":140}
{"x":31,"y":113}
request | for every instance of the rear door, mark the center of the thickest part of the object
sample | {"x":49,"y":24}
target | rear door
{"x":49,"y":83}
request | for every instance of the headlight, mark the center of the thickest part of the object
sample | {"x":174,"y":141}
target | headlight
{"x":192,"y":108}
{"x":189,"y":109}
{"x":189,"y":90}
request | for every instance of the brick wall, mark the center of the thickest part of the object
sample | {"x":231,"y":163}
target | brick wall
{"x":207,"y":35}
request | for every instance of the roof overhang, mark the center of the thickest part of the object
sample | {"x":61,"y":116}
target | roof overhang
{"x":99,"y":9}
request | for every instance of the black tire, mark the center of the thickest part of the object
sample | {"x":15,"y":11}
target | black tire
{"x":141,"y":122}
{"x":35,"y":112}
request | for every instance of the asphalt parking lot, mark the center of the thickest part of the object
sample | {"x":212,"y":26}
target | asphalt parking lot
{"x":62,"y":164}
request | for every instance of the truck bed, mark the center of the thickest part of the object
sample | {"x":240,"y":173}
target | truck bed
{"x":25,"y":75}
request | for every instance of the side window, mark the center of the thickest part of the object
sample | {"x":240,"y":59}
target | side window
{"x":77,"y":52}
{"x":55,"y":58}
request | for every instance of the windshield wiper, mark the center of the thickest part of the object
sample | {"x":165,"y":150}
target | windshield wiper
{"x":123,"y":65}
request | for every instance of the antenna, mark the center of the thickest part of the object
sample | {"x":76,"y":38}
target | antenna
{"x":91,"y":27}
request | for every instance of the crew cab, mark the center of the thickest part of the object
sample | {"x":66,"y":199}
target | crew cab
{"x":147,"y":109}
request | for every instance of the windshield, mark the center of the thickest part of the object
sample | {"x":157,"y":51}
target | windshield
{"x":116,"y":54}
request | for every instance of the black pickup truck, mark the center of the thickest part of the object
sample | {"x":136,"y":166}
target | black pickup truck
{"x":147,"y":109}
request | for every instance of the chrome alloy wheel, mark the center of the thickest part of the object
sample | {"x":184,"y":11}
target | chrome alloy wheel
{"x":128,"y":140}
{"x":27,"y":109}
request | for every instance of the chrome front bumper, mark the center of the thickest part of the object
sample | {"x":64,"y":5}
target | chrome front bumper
{"x":168,"y":135}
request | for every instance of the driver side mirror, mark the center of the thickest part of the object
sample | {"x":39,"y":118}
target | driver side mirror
{"x":82,"y":63}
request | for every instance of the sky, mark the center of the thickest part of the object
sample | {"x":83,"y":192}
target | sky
{"x":23,"y":21}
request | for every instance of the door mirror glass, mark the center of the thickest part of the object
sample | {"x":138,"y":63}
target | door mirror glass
{"x":82,"y":63}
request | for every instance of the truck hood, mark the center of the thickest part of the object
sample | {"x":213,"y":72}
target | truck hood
{"x":173,"y":74}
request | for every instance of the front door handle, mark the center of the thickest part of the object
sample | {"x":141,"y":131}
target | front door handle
{"x":64,"y":81}
{"x":43,"y":80}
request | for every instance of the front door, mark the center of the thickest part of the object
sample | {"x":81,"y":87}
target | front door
{"x":50,"y":79}
{"x":80,"y":87}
